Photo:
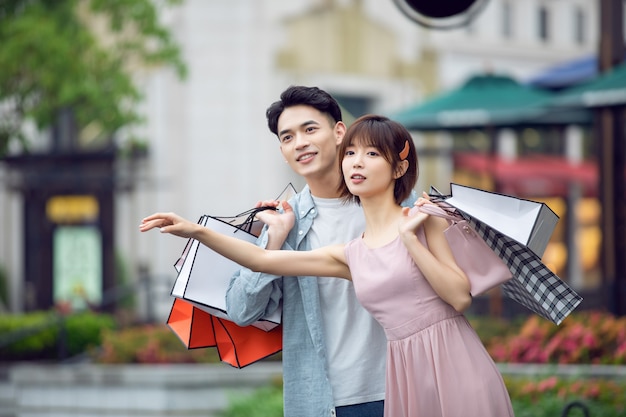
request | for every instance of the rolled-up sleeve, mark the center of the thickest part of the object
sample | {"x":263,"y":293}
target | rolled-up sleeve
{"x":252,"y":295}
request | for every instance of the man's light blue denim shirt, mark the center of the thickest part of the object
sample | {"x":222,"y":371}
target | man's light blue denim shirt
{"x":251,"y":295}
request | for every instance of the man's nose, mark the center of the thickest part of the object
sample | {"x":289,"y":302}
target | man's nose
{"x":302,"y":141}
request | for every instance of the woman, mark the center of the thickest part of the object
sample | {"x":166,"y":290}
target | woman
{"x":403,"y":272}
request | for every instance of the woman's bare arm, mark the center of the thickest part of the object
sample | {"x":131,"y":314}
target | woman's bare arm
{"x":326,"y":261}
{"x":436,"y":261}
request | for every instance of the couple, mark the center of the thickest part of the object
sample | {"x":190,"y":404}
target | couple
{"x":398,"y":263}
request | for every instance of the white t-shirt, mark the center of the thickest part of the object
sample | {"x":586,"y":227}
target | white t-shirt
{"x":355,"y":342}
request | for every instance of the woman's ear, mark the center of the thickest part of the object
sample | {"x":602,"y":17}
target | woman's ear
{"x":401,"y":169}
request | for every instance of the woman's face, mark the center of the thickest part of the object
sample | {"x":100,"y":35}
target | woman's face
{"x":366,"y":172}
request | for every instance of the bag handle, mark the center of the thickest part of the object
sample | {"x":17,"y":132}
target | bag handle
{"x":435,"y":210}
{"x":246,"y":225}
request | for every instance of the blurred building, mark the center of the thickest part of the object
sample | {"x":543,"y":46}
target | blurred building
{"x":210,"y":151}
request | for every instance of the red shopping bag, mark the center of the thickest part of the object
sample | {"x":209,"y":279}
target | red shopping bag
{"x":236,"y":345}
{"x":193,"y":326}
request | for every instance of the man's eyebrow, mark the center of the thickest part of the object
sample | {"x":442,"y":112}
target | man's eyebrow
{"x":304,"y":124}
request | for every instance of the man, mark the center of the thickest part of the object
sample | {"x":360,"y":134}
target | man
{"x":333,"y":350}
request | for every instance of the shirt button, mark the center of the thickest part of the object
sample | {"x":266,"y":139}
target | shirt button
{"x":301,"y":213}
{"x":300,"y":232}
{"x":332,"y":412}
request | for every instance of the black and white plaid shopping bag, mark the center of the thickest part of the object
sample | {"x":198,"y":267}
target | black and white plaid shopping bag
{"x":533,"y":284}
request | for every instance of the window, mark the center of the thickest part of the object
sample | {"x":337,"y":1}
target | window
{"x":544,"y":23}
{"x":507,"y":20}
{"x":579,"y":25}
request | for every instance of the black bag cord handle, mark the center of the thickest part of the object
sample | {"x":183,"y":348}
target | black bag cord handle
{"x":438,"y":211}
{"x":440,"y":200}
{"x":246,"y":225}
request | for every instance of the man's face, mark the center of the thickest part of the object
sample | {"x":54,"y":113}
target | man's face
{"x":309,"y":141}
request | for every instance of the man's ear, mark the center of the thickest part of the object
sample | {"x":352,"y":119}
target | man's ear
{"x":401,"y":169}
{"x":340,"y":131}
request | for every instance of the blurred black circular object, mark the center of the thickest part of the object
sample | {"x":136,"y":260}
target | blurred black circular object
{"x":441,"y":14}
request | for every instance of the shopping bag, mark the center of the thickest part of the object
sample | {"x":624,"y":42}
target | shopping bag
{"x":483,"y":268}
{"x":529,"y":222}
{"x":193,"y":326}
{"x":204,"y":275}
{"x":238,"y":346}
{"x":533,"y":284}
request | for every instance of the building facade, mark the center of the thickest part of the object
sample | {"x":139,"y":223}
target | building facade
{"x":210,"y":151}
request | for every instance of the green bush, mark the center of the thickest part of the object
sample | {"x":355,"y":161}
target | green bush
{"x":546,"y":397}
{"x":38,"y":335}
{"x":264,"y":402}
{"x":85,"y":331}
{"x":152,"y":344}
{"x":149,"y":344}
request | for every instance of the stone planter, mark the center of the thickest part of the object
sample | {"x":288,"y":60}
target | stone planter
{"x":88,"y":390}
{"x":564,"y":371}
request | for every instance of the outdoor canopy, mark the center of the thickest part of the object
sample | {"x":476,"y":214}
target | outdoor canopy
{"x":488,"y":100}
{"x":607,"y":89}
{"x":567,"y":74}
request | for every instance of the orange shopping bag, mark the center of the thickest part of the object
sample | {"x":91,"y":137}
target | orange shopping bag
{"x":236,"y":345}
{"x":192,"y":325}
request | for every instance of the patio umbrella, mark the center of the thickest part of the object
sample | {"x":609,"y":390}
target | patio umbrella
{"x":567,"y":74}
{"x":536,"y":175}
{"x":606,"y":90}
{"x":488,"y":100}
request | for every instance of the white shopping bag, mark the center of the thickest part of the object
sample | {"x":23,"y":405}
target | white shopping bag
{"x":204,"y":275}
{"x":531,"y":223}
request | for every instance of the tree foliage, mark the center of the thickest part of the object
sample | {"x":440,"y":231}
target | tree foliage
{"x":78,"y":55}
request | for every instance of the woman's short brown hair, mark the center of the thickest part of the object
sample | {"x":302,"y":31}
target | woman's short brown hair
{"x":390,"y":138}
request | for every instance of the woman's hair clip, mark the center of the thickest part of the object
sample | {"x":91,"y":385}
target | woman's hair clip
{"x":405,"y":151}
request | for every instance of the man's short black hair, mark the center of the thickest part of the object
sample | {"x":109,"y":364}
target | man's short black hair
{"x":301,"y":95}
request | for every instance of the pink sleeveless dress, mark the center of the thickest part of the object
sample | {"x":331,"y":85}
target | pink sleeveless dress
{"x":436,"y":364}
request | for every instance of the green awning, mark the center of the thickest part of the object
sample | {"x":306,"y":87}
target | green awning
{"x":607,"y":89}
{"x":488,"y":100}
